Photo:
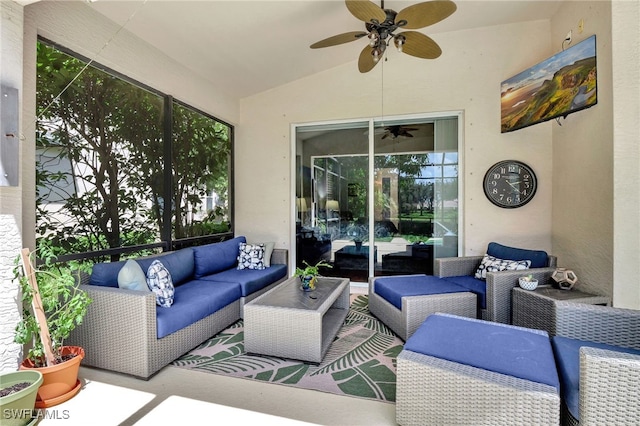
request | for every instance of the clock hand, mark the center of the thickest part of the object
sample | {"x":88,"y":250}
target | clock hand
{"x":514,"y":183}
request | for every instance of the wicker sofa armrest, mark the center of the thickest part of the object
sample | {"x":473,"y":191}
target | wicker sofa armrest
{"x":603,"y":324}
{"x":457,"y":266}
{"x":499,"y":286}
{"x":609,"y":384}
{"x":120,"y":324}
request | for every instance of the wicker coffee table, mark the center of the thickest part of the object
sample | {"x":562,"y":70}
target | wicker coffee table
{"x":290,"y":323}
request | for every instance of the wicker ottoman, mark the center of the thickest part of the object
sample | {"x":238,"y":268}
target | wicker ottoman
{"x":402,"y":302}
{"x":461,"y":371}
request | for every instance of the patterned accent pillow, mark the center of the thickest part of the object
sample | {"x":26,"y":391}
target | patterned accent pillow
{"x":159,"y":281}
{"x":251,"y":256}
{"x":493,"y":264}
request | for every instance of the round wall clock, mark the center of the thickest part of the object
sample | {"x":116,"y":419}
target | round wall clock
{"x":510,"y":184}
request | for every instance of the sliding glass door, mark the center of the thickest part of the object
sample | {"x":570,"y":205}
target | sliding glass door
{"x":377,"y":197}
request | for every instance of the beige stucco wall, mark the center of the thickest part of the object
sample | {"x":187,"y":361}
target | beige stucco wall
{"x":465,"y":78}
{"x":583,"y":161}
{"x":625,"y":46}
{"x":11,"y":25}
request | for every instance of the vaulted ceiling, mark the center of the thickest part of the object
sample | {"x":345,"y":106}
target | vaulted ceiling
{"x":249,"y":46}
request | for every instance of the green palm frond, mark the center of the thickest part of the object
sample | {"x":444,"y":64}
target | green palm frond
{"x":370,"y":346}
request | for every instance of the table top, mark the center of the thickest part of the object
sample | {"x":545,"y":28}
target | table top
{"x":364,"y":250}
{"x":290,"y":295}
{"x":557,"y":294}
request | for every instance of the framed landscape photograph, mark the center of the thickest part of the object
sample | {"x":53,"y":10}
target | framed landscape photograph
{"x":556,"y":87}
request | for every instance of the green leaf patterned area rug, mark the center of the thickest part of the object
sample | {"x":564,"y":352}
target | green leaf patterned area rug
{"x":361,"y":361}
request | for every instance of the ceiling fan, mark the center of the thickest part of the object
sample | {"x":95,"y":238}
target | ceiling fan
{"x":381,"y":24}
{"x":394,"y":132}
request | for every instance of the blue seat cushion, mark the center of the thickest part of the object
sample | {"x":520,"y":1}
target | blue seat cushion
{"x":180,"y":264}
{"x":538,"y":258}
{"x":493,"y":347}
{"x":474,"y":285}
{"x":567,"y":353}
{"x":250,"y":280}
{"x":393,"y":289}
{"x":193,"y":301}
{"x":216,"y":257}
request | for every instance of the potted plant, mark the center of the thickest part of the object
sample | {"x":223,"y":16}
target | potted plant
{"x":18,"y":396}
{"x":528,"y":282}
{"x":53,"y":305}
{"x":308,"y":275}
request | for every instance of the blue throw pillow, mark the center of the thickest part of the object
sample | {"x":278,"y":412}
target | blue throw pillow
{"x":132,"y":277}
{"x":159,"y":281}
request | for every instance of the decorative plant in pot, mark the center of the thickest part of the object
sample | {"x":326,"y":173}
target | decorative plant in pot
{"x":53,"y":305}
{"x":309,"y":275}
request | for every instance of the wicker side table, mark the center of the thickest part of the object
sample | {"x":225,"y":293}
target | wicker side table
{"x":537,"y":308}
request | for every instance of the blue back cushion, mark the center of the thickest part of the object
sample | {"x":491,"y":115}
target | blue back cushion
{"x":393,"y":289}
{"x":567,"y":352}
{"x":106,"y":274}
{"x":538,"y":258}
{"x":489,"y":346}
{"x":216,"y":257}
{"x":180,"y":264}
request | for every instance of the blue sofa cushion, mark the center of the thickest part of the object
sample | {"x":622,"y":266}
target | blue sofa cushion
{"x":538,"y":258}
{"x":179,"y":263}
{"x":489,"y":346}
{"x":193,"y":301}
{"x":106,"y":274}
{"x":250,"y":280}
{"x":393,"y":289}
{"x":473,"y":285}
{"x":567,"y":353}
{"x":216,"y":257}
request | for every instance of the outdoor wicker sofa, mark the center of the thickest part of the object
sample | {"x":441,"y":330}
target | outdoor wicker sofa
{"x":597,"y":350}
{"x":497,"y":296}
{"x":123,"y":330}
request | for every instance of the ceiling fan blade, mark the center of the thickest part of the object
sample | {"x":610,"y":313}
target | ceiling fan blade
{"x":424,"y":14}
{"x":420,"y":45}
{"x":365,"y":61}
{"x":338,"y":39}
{"x":365,"y":11}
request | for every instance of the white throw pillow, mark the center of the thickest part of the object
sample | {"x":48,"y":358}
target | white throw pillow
{"x":493,"y":264}
{"x":251,"y":256}
{"x":159,"y":281}
{"x":132,"y":277}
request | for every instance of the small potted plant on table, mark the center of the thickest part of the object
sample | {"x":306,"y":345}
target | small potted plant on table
{"x":53,"y":305}
{"x":308,"y":275}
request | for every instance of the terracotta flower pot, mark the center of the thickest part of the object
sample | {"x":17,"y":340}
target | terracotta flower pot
{"x":16,"y":408}
{"x":60,"y":382}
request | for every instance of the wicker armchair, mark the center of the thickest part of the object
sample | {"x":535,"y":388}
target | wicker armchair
{"x":498,"y":284}
{"x":609,"y":381}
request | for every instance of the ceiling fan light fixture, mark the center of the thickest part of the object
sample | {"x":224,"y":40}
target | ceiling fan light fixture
{"x":374,"y":38}
{"x":399,"y":41}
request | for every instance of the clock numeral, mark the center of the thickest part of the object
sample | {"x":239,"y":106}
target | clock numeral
{"x":494,"y":191}
{"x":496,"y":175}
{"x":514,"y":168}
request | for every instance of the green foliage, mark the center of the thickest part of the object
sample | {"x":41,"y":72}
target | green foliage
{"x":311,"y":270}
{"x":64,"y":305}
{"x":101,"y":169}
